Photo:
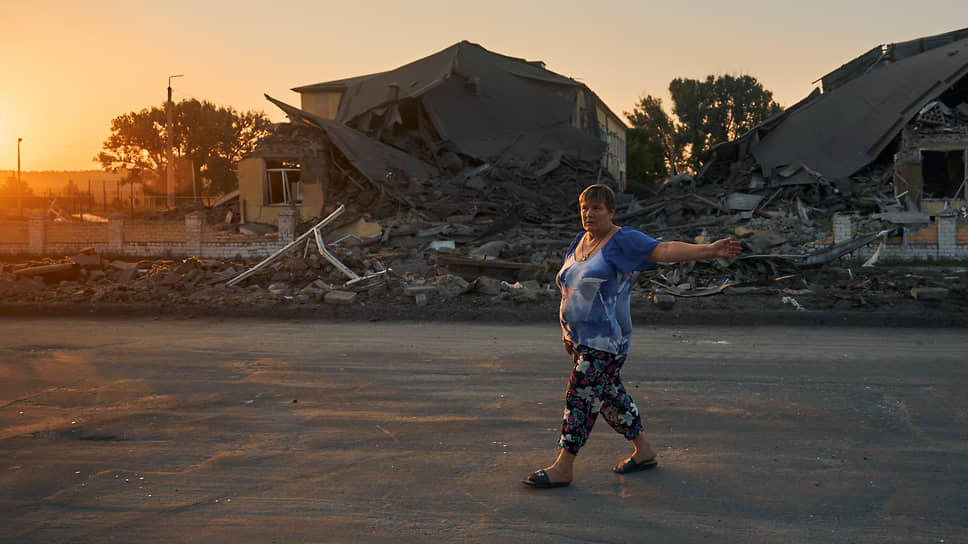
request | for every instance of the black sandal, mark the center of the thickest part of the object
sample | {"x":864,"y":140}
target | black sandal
{"x":629,"y":466}
{"x":541,"y":480}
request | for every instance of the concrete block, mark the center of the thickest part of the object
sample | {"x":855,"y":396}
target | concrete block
{"x":340,"y":297}
{"x":929,"y":293}
{"x":87,"y":261}
{"x":414,"y":290}
{"x":664,"y":301}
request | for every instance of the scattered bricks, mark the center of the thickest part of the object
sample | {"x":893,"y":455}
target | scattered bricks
{"x":664,"y":301}
{"x":929,"y":294}
{"x":340,"y":297}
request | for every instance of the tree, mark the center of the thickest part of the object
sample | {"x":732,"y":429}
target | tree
{"x":212,"y":139}
{"x":653,"y":150}
{"x":15,"y":188}
{"x":645,"y":158}
{"x":704,"y":113}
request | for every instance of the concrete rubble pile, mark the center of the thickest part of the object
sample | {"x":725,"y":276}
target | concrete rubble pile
{"x":451,"y":222}
{"x":480,"y":246}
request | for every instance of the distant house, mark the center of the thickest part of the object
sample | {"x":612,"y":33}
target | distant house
{"x":460,"y":109}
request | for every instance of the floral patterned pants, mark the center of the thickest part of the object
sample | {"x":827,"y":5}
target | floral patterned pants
{"x":594,"y":387}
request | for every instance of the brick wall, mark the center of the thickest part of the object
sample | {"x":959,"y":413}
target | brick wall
{"x":81,"y":233}
{"x":13,"y":232}
{"x":122,"y":238}
{"x":946,"y":238}
{"x":154,"y":231}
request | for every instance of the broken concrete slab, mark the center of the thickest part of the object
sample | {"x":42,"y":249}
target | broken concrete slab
{"x":51,"y":272}
{"x":929,"y":294}
{"x":340,"y":297}
{"x":87,"y":260}
{"x":664,"y":301}
{"x":490,"y":250}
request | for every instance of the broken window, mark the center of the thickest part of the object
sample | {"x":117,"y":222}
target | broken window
{"x":283,"y":182}
{"x":943,"y":172}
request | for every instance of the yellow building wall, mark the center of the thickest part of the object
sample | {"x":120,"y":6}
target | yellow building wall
{"x":251,"y":174}
{"x":614,"y":136}
{"x":323,"y":104}
{"x":251,"y":195}
{"x":614,"y":161}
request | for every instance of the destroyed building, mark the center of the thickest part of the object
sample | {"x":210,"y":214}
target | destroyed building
{"x":459,"y":114}
{"x":886,"y":135}
{"x":452,"y":182}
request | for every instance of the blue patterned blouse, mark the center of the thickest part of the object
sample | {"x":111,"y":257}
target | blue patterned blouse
{"x":596,"y":294}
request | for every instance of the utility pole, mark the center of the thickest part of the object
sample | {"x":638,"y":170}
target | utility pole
{"x":170,"y":155}
{"x":20,"y":186}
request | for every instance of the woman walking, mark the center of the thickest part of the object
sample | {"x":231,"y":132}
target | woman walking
{"x":595,"y":282}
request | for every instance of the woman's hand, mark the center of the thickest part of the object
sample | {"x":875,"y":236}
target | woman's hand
{"x":726,"y":248}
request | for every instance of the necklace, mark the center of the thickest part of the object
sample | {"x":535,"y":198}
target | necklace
{"x":586,"y":251}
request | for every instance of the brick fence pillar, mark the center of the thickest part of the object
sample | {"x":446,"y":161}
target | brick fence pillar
{"x":287,"y":225}
{"x":193,"y":233}
{"x":37,"y":233}
{"x":843,"y":227}
{"x":946,"y":233}
{"x":116,"y":233}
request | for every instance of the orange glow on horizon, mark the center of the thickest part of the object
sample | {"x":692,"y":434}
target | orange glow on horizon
{"x":71,"y":67}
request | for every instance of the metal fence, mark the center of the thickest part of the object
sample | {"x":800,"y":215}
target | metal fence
{"x":95,"y":204}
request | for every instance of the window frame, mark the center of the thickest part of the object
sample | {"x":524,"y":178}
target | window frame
{"x":285,"y":169}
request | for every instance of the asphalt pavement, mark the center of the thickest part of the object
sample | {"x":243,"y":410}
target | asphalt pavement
{"x":300,"y":430}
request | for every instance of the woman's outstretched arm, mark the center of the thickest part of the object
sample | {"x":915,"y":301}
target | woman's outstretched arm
{"x":677,"y":252}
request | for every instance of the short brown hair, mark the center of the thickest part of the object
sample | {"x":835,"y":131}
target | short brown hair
{"x":599,"y":193}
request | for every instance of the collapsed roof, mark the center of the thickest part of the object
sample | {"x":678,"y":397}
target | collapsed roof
{"x":861,"y":109}
{"x":487,"y":106}
{"x":372,"y":158}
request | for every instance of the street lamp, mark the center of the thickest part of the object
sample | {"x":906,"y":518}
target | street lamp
{"x":170,"y":154}
{"x":20,"y":186}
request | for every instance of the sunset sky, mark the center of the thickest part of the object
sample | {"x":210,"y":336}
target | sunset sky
{"x":69,"y":67}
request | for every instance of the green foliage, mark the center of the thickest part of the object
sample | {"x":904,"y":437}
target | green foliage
{"x":645,"y":157}
{"x":211,"y":139}
{"x":704,"y":113}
